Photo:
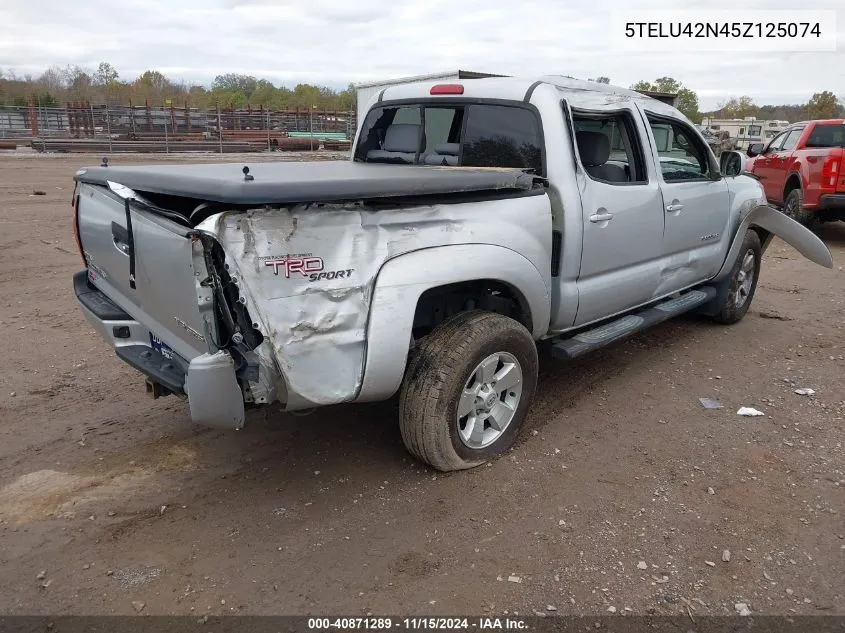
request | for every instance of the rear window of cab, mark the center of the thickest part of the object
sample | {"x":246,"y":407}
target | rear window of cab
{"x":466,"y":134}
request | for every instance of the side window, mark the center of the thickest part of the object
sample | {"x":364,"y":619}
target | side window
{"x":608,"y":148}
{"x":776,"y":143}
{"x":683,"y":156}
{"x":791,"y":139}
{"x":825,"y":135}
{"x":502,"y":136}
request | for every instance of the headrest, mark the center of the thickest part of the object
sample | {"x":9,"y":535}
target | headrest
{"x":402,"y":137}
{"x":594,"y":148}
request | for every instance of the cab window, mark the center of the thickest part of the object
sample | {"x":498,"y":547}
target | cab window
{"x":791,"y":139}
{"x":608,"y":147}
{"x":468,"y":134}
{"x":683,"y":155}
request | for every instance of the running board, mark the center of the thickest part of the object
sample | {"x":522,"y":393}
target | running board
{"x":589,"y":340}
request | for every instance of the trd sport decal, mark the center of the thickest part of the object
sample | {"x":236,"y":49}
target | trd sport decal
{"x":307,"y":266}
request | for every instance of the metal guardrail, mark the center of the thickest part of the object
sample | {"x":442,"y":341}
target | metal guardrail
{"x":172,"y":128}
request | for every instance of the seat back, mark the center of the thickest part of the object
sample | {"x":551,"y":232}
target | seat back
{"x":594,"y":149}
{"x":444,"y":154}
{"x":401,"y":142}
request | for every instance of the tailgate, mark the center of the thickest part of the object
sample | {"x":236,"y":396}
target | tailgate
{"x":169,"y":266}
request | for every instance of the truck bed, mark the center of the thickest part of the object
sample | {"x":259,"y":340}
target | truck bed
{"x":299,"y":182}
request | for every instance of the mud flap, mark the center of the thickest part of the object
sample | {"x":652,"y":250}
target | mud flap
{"x":800,"y":238}
{"x":214,"y":395}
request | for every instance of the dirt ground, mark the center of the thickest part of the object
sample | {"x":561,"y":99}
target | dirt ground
{"x":623,"y":493}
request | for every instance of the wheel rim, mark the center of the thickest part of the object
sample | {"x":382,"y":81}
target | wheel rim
{"x":790,"y":207}
{"x":745,"y":278}
{"x":489,"y":400}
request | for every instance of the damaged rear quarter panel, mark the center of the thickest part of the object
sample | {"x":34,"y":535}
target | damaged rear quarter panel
{"x":306,"y":274}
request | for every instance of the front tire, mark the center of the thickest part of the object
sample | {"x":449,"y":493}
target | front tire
{"x":467,"y":390}
{"x":742,"y":281}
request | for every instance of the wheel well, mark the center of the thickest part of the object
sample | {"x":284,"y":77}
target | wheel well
{"x":763,"y":234}
{"x":793,"y":182}
{"x":437,"y":304}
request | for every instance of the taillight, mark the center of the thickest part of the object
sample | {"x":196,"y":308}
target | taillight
{"x":76,"y":226}
{"x":830,"y":171}
{"x":447,"y":89}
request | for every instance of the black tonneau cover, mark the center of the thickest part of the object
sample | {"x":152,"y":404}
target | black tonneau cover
{"x":316,"y":181}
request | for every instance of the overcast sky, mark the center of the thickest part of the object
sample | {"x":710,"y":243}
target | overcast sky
{"x":334,"y":42}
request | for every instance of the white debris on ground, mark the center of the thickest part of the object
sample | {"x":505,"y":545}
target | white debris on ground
{"x":742,"y":608}
{"x":749,"y":412}
{"x":710,"y":403}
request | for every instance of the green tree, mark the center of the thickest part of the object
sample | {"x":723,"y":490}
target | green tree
{"x":105,"y":75}
{"x":154,"y":80}
{"x":823,"y":105}
{"x":687,"y":101}
{"x":347,"y":99}
{"x":738,"y":108}
{"x":264,"y":94}
{"x":305,"y":96}
{"x":229,"y":100}
{"x":601,"y":80}
{"x":233,"y":82}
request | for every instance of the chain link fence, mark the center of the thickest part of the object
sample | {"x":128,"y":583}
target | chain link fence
{"x":85,"y":127}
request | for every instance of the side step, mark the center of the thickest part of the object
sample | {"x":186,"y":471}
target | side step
{"x":589,"y":340}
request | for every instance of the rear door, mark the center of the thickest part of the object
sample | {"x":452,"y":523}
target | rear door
{"x":169,"y":266}
{"x":622,"y":214}
{"x":696,"y":203}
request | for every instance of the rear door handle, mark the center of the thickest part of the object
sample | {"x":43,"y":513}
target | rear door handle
{"x":601,"y":217}
{"x":673,"y":208}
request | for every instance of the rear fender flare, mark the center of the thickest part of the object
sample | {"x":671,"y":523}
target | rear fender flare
{"x":402,"y":280}
{"x":800,"y":238}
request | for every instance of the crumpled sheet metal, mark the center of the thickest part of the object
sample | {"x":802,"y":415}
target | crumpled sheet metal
{"x":315,"y":324}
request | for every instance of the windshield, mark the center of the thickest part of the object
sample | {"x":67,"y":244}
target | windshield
{"x":466,"y":134}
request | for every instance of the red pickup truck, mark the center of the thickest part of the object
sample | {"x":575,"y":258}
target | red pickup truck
{"x":802,"y":171}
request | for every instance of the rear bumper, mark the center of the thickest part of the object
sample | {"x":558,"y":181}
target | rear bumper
{"x":832,"y":206}
{"x":832,"y":201}
{"x":208,"y":380}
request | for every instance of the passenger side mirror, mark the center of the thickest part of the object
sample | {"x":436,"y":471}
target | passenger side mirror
{"x":755,"y":149}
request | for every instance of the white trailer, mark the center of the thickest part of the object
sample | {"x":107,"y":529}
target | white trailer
{"x":747,"y":130}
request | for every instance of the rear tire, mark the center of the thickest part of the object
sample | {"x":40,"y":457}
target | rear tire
{"x":742,"y":281}
{"x":467,"y":390}
{"x":793,"y":208}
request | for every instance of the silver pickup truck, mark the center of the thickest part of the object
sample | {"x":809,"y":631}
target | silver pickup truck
{"x":473,"y":224}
